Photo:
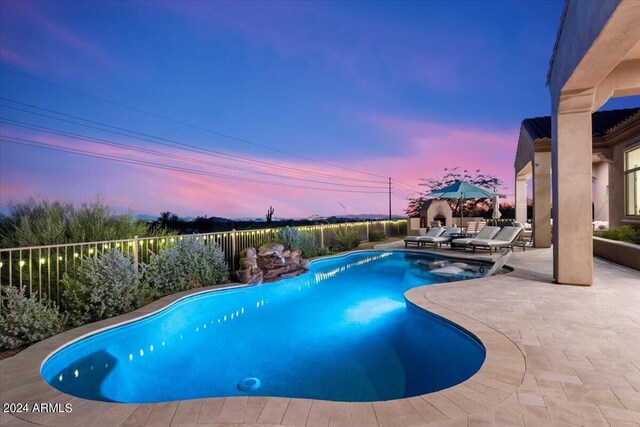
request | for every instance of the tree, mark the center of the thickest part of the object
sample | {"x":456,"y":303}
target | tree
{"x":451,"y":175}
{"x":167,"y":219}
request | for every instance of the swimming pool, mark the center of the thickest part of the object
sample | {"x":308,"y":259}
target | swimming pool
{"x":341,"y":332}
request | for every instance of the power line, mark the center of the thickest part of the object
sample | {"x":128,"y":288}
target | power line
{"x":164,"y":154}
{"x":404,"y":183}
{"x":404,"y":187}
{"x":87,"y":153}
{"x":183,"y":123}
{"x":172,"y":143}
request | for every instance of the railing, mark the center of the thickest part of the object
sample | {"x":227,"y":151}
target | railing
{"x":39,"y":270}
{"x":502,"y":222}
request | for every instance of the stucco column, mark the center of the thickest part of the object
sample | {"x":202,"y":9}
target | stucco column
{"x":601,"y":191}
{"x":572,"y":231}
{"x":542,"y":200}
{"x":521,"y":199}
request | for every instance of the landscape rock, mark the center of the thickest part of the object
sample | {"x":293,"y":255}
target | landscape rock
{"x":270,"y":249}
{"x":251,"y":276}
{"x":248,"y":263}
{"x":271,"y":262}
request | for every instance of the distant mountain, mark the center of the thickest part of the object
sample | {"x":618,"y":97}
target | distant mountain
{"x":143,"y":217}
{"x":371,"y":216}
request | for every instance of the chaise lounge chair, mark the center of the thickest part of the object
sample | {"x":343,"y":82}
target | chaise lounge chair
{"x":504,"y":239}
{"x":438,"y":240}
{"x":462,"y":269}
{"x":472,"y":228}
{"x":487,"y":232}
{"x":434,"y":232}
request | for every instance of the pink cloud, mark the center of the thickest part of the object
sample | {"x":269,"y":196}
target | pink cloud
{"x":14,"y":58}
{"x":149,"y":189}
{"x":423,"y":150}
{"x":426,"y":148}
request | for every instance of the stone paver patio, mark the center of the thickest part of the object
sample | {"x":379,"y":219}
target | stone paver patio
{"x":556,"y":355}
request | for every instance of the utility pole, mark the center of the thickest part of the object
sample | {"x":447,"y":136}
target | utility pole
{"x":389,"y":198}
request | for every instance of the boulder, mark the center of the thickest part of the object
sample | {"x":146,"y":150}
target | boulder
{"x":274,"y":274}
{"x":270,"y":249}
{"x":252,"y":276}
{"x":248,"y":263}
{"x":291,"y":274}
{"x":293,"y":263}
{"x":270,"y":262}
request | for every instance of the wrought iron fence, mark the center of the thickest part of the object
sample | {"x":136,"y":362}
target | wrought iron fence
{"x":503,"y":222}
{"x":39,"y":270}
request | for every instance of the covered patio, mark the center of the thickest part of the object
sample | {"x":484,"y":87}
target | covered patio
{"x":596,"y":57}
{"x":613,"y":131}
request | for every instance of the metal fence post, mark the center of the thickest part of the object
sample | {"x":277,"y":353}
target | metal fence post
{"x":135,"y":255}
{"x":322,"y":236}
{"x":233,"y":248}
{"x":384,"y":227}
{"x":367,"y":231}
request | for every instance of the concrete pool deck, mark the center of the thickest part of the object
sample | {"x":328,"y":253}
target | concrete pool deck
{"x":556,"y":355}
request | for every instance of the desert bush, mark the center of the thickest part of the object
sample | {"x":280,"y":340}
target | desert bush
{"x":308,"y":245}
{"x":190,"y":263}
{"x":322,"y":251}
{"x":97,"y":222}
{"x":102,"y":287}
{"x":623,"y":233}
{"x":35,"y":222}
{"x":345,"y":238}
{"x":289,"y":237}
{"x":376,"y":236}
{"x":26,"y":320}
{"x":293,"y":239}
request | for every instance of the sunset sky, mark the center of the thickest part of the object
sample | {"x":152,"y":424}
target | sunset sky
{"x":246,"y":95}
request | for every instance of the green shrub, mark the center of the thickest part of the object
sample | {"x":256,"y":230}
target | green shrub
{"x":26,"y":320}
{"x":98,"y":222}
{"x":293,"y":239}
{"x":36,"y":222}
{"x":623,"y":233}
{"x":289,"y":237}
{"x":322,"y":251}
{"x":308,"y":245}
{"x":102,"y":287}
{"x":377,"y":236}
{"x":189,"y":264}
{"x":345,"y":238}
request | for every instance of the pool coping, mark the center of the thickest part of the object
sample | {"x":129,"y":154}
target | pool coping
{"x":496,"y":380}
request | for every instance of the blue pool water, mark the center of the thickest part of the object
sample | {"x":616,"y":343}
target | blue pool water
{"x":341,"y":332}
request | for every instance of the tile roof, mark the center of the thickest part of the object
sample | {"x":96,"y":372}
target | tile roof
{"x":602,"y":122}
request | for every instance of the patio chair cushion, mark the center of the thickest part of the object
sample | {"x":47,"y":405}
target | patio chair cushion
{"x":488,"y":232}
{"x":472,"y":227}
{"x":444,"y":237}
{"x":434,"y":232}
{"x":505,"y":237}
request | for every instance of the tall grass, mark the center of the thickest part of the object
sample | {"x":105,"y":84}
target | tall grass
{"x":36,"y":222}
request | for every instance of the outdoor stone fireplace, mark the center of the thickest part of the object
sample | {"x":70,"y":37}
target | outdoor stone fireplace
{"x":435,"y":210}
